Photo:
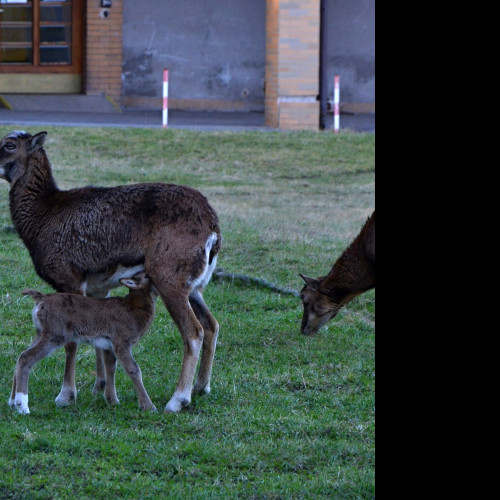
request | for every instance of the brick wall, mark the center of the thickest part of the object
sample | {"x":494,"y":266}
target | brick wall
{"x":292,"y":59}
{"x":103,"y":54}
{"x":292,"y":64}
{"x":272,"y":63}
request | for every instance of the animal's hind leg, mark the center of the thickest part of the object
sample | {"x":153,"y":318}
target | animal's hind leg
{"x":211,"y":332}
{"x":177,"y":303}
{"x":68,"y":391}
{"x":38,"y":350}
{"x":12,"y":398}
{"x":13,"y":391}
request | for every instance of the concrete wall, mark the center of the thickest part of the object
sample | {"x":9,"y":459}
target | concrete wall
{"x":215,"y":51}
{"x":351,"y":52}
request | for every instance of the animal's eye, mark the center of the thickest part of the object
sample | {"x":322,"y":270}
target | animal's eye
{"x":10,"y":146}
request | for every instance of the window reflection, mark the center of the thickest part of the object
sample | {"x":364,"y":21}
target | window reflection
{"x":16,"y":32}
{"x":52,"y":35}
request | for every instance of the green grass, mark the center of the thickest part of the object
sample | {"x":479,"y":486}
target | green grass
{"x":289,"y":416}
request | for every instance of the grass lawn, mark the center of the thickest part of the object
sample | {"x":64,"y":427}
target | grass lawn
{"x":288,"y":416}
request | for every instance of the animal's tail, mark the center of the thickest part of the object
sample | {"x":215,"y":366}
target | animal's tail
{"x":215,"y":244}
{"x":33,"y":293}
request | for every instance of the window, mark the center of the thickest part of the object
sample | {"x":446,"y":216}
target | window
{"x":40,"y":35}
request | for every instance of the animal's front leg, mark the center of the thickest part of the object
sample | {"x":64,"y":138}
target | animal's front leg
{"x":134,"y":372}
{"x":100,"y":361}
{"x":68,"y":391}
{"x":38,"y":350}
{"x":110,"y":389}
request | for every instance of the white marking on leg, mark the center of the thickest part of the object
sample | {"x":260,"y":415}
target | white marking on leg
{"x":179,"y":400}
{"x":196,"y":347}
{"x":34,"y":317}
{"x":101,"y":343}
{"x":21,"y":403}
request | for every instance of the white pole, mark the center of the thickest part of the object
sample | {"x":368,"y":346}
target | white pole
{"x":336,"y":104}
{"x":165,"y":99}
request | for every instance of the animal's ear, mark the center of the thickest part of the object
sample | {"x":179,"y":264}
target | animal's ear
{"x":38,"y":140}
{"x":310,"y":282}
{"x":131,"y":283}
{"x":139,"y":280}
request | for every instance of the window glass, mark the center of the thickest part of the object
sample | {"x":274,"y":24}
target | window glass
{"x":55,"y":13}
{"x":55,"y":55}
{"x":16,"y":56}
{"x":13,"y":35}
{"x":52,"y":35}
{"x":17,"y":14}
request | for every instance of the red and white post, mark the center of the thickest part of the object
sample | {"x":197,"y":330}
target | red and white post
{"x":336,"y":105}
{"x":165,"y":99}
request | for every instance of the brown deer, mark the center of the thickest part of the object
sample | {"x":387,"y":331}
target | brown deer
{"x":114,"y":324}
{"x":84,"y":240}
{"x":352,"y":275}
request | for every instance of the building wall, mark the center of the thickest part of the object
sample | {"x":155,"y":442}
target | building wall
{"x":293,"y":64}
{"x":214,"y":50}
{"x":103,"y":49}
{"x":272,"y":63}
{"x":351,"y":52}
{"x":222,"y":54}
{"x":237,"y":55}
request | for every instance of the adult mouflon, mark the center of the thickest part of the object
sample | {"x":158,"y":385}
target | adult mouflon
{"x":352,"y":274}
{"x":85,"y":240}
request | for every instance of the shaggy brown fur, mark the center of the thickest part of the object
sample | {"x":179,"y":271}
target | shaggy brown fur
{"x":116,"y":324}
{"x":83,"y":240}
{"x":352,"y":274}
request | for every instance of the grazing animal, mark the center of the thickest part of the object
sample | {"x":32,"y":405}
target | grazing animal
{"x":113,"y":324}
{"x":85,"y":240}
{"x":352,"y":274}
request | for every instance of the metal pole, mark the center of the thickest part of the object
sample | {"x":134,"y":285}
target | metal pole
{"x":336,"y":105}
{"x":323,"y":66}
{"x":165,"y":99}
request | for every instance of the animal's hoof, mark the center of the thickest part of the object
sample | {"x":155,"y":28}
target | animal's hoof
{"x":23,"y":411}
{"x":99,"y":386}
{"x":20,"y":403}
{"x":112,"y":401}
{"x":176,"y":405}
{"x":65,"y":398}
{"x":201,"y":389}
